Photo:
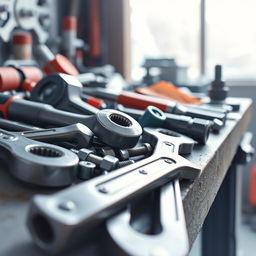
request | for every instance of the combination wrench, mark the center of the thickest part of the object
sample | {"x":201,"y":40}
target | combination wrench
{"x":60,"y":220}
{"x":110,"y":126}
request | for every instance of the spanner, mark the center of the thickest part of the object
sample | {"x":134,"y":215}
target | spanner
{"x":60,"y":220}
{"x":154,"y":225}
{"x":111,"y":126}
{"x":37,"y":162}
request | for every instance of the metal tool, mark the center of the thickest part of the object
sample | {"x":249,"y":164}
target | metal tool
{"x":37,"y":162}
{"x":16,"y":126}
{"x":154,"y":226}
{"x":52,"y":63}
{"x":73,"y":136}
{"x":110,"y":126}
{"x":24,"y":14}
{"x":196,"y":128}
{"x":62,"y":92}
{"x":139,"y":101}
{"x":59,"y":220}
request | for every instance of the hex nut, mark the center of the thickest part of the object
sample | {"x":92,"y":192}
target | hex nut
{"x":86,"y":170}
{"x":109,"y":163}
{"x":84,"y":153}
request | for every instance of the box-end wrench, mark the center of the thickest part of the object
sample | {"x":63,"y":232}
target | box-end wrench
{"x":155,"y":226}
{"x":139,"y":101}
{"x":36,"y":162}
{"x":111,"y":126}
{"x":60,"y":220}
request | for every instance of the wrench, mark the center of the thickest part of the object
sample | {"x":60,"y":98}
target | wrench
{"x":139,"y":101}
{"x":155,"y":227}
{"x":59,"y":220}
{"x":111,"y":126}
{"x":62,"y":91}
{"x":37,"y":162}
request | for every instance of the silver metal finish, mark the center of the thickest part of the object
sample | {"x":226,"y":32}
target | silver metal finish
{"x":171,"y":239}
{"x":101,"y":197}
{"x":36,"y":162}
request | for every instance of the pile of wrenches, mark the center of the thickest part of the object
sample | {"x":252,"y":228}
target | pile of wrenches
{"x":125,"y":161}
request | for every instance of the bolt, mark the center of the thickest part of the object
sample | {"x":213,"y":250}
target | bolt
{"x":106,"y":163}
{"x":67,"y":206}
{"x":125,"y":163}
{"x":144,"y":149}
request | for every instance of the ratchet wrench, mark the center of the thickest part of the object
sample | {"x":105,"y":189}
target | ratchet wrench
{"x":74,"y":212}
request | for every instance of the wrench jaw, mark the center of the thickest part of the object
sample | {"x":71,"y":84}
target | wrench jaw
{"x":169,"y":239}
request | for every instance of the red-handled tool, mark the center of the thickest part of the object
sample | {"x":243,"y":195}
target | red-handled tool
{"x":55,"y":63}
{"x":138,"y":101}
{"x":24,"y":78}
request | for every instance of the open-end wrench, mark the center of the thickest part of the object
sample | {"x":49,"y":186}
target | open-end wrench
{"x":37,"y":162}
{"x":139,"y":101}
{"x":59,"y":220}
{"x":111,"y":126}
{"x":62,"y":91}
{"x":154,"y":225}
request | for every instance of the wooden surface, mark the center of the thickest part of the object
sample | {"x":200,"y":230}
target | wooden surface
{"x":213,"y":158}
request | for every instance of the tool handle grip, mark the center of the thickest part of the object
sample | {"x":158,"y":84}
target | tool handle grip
{"x":139,"y":101}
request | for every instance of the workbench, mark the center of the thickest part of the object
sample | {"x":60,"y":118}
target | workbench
{"x":214,"y":159}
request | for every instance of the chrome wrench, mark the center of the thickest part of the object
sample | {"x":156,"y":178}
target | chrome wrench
{"x":58,"y":221}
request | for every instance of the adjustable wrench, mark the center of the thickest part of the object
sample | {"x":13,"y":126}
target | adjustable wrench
{"x":111,"y":126}
{"x":154,"y":226}
{"x":61,"y":219}
{"x":37,"y":162}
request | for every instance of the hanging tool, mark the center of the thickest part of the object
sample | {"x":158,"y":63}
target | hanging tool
{"x":110,"y":126}
{"x":36,"y":162}
{"x":138,"y":101}
{"x":54,"y":63}
{"x":57,"y":221}
{"x":27,"y":15}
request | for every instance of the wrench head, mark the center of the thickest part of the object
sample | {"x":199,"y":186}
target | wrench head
{"x":176,"y":142}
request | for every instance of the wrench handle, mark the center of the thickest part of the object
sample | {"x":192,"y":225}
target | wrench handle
{"x":96,"y":200}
